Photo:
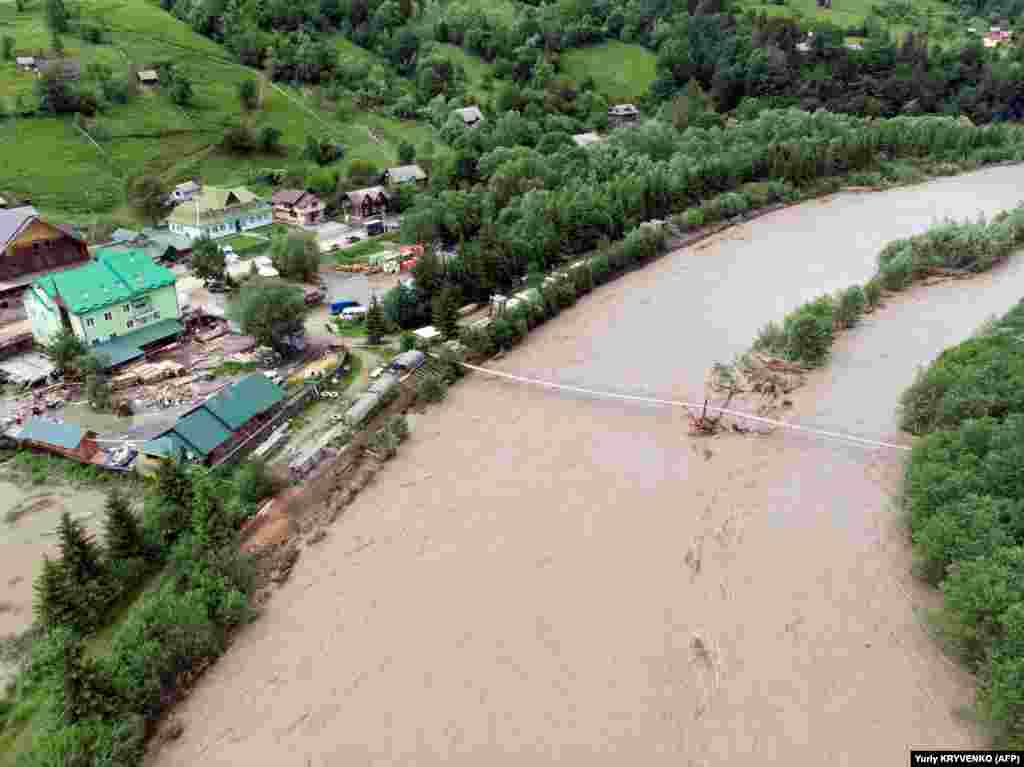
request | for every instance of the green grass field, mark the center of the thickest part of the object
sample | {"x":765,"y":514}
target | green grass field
{"x":847,"y":13}
{"x":73,"y":179}
{"x":621,"y":71}
{"x":476,"y":69}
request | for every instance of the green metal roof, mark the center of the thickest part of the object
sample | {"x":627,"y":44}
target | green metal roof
{"x":117,"y":351}
{"x":165,"y":446}
{"x":201,"y":431}
{"x":211,"y":424}
{"x":238,"y":403}
{"x":66,"y":435}
{"x":114,"y":277}
{"x":154,"y":332}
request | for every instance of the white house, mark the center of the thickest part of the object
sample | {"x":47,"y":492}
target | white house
{"x":214,"y":212}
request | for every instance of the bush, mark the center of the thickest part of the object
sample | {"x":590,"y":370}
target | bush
{"x":850,"y":307}
{"x":407,"y":342}
{"x":809,"y":332}
{"x":873,"y":293}
{"x":432,"y":388}
{"x":600,"y":268}
{"x":384,"y":442}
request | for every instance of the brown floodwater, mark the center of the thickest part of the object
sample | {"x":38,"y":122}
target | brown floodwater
{"x":542,"y":577}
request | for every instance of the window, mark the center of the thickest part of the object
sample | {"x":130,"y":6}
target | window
{"x":108,"y":316}
{"x":89,"y":322}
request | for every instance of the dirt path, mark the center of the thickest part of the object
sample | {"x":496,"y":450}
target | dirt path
{"x":543,"y":578}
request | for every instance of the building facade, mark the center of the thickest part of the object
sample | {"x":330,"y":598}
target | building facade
{"x":216,"y":212}
{"x":297,"y":207}
{"x":122,"y":295}
{"x":29,"y":244}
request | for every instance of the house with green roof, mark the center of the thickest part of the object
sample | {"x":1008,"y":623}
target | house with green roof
{"x":218,"y":212}
{"x":120,"y":303}
{"x":211,"y":430}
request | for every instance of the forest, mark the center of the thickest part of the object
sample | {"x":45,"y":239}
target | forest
{"x":963,"y":499}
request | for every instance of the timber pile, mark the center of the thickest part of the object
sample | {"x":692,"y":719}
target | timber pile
{"x":147,"y":373}
{"x":358,"y":268}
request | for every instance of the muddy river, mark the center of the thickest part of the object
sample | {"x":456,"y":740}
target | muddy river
{"x":544,"y":578}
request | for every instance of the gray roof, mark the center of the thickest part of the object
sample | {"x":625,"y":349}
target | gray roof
{"x":66,"y":435}
{"x":402,"y":173}
{"x":123,"y":235}
{"x":187,"y":186}
{"x":409,"y":360}
{"x":165,"y":238}
{"x":361,"y":408}
{"x":13,"y":220}
{"x":383,"y":384}
{"x":470,"y":115}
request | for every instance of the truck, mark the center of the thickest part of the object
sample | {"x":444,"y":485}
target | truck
{"x":337,"y":307}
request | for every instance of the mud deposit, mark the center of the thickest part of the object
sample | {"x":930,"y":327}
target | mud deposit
{"x":29,"y":515}
{"x":543,"y":578}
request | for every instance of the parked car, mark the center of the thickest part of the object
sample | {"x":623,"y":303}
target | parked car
{"x":227,"y":250}
{"x":337,"y":307}
{"x":374,"y":227}
{"x":354,"y":313}
{"x":353,"y":240}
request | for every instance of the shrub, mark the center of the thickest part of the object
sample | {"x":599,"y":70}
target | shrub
{"x":384,"y":442}
{"x":771,"y":339}
{"x":873,"y":293}
{"x":432,"y":388}
{"x":407,"y":342}
{"x":399,"y":426}
{"x":809,"y":332}
{"x":850,"y":307}
{"x":600,"y":268}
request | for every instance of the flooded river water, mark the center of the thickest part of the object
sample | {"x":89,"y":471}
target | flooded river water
{"x":542,"y":578}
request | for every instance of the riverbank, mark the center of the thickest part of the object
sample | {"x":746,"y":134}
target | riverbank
{"x":536,"y":571}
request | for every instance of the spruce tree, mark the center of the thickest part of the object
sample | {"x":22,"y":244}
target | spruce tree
{"x":80,"y":556}
{"x":374,"y":322}
{"x":123,"y":534}
{"x":55,"y":605}
{"x":446,"y":311}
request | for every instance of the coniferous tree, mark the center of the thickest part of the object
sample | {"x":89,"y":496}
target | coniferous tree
{"x":80,"y":556}
{"x":123,"y":535}
{"x":446,"y":311}
{"x":374,"y":322}
{"x":54,"y":603}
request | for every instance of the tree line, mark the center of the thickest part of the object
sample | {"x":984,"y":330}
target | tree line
{"x":509,"y":210}
{"x":965,"y":502}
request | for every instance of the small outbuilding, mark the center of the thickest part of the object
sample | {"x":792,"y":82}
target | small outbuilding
{"x":470,"y":116}
{"x":586,"y":139}
{"x":405,"y":174}
{"x":148,"y":77}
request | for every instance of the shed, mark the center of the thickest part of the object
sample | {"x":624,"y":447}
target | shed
{"x":586,"y":139}
{"x":429,"y":333}
{"x":405,"y":174}
{"x":27,"y":63}
{"x":470,"y":115}
{"x":149,"y":77}
{"x":66,"y":439}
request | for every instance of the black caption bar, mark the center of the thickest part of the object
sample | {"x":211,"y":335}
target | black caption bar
{"x":923,"y":758}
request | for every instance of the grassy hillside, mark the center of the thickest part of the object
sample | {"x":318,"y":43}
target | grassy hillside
{"x":52,"y":161}
{"x":926,"y":15}
{"x":621,"y":71}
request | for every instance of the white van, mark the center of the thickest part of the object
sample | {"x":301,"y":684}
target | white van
{"x":353,"y":313}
